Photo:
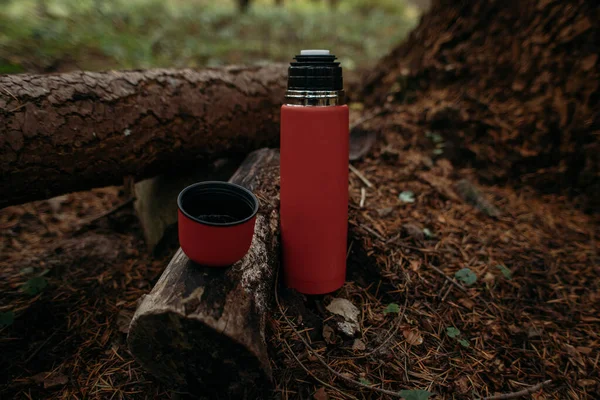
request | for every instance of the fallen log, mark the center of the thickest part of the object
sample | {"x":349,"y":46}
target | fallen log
{"x":74,"y":131}
{"x":203,"y":329}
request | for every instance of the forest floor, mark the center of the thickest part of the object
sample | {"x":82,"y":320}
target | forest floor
{"x":522,"y":310}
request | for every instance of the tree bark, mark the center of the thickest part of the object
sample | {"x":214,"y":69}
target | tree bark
{"x":509,"y":88}
{"x":203,"y":329}
{"x":74,"y":131}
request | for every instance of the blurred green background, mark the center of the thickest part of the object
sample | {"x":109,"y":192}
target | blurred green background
{"x":63,"y":35}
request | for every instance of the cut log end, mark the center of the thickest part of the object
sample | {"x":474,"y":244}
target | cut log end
{"x":203,"y":329}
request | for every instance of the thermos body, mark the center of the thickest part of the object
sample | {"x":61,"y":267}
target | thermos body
{"x":314,"y":187}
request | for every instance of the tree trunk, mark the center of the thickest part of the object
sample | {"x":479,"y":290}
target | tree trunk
{"x":509,"y":88}
{"x":203,"y":329}
{"x":74,"y":131}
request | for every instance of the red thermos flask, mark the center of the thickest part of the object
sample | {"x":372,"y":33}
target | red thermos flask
{"x":314,"y":174}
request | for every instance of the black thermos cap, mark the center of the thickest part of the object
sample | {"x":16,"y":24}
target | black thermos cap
{"x":315,"y":70}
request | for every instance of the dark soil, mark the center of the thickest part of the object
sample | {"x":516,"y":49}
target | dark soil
{"x":537,"y":322}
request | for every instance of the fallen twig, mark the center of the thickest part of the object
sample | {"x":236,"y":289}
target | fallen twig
{"x":360,"y":176}
{"x":37,"y":350}
{"x":520,"y":393}
{"x":320,"y":359}
{"x":452,"y":281}
{"x":313,"y":375}
{"x":363,"y":197}
{"x":372,"y":232}
{"x":106,"y":213}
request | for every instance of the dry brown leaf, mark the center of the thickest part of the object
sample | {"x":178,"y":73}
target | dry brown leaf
{"x":328,"y":334}
{"x":415,"y":265}
{"x":349,"y":312}
{"x":463,"y":384}
{"x":413,"y":337}
{"x":467,"y":303}
{"x":414,"y":231}
{"x":321,"y":394}
{"x":358,"y":345}
{"x":588,"y":62}
{"x":123,"y":321}
{"x":489,"y":277}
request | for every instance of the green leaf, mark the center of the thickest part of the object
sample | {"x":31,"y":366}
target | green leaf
{"x":34,"y":285}
{"x":428,"y":234}
{"x":416,"y":394}
{"x":452,"y":332}
{"x":464,"y":342}
{"x":7,"y":318}
{"x":27,"y":271}
{"x":438,"y":151}
{"x":505,"y":271}
{"x":407,"y":196}
{"x":364,"y":381}
{"x":434,"y":136}
{"x":392,"y":308}
{"x":466,"y":276}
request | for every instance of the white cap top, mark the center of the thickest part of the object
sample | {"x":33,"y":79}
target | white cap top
{"x":314,"y":52}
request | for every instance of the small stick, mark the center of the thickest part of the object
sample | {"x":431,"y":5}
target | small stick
{"x":452,"y":281}
{"x":313,"y":375}
{"x":360,"y":176}
{"x":108,"y":212}
{"x":320,"y":359}
{"x":520,"y":393}
{"x":408,"y":246}
{"x":10,"y":94}
{"x":363,"y":197}
{"x":447,"y":293}
{"x":372,"y":232}
{"x":17,"y":108}
{"x":37,"y":350}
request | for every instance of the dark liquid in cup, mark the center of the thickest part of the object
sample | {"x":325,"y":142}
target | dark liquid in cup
{"x":217,"y":218}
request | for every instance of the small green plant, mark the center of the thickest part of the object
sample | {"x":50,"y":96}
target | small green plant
{"x":392,"y":308}
{"x":364,"y":381}
{"x":434,"y":136}
{"x":34,"y":285}
{"x":7,"y":318}
{"x":454,"y":333}
{"x":466,"y":276}
{"x":415,"y":394}
{"x":428,"y":234}
{"x":407,"y":196}
{"x":505,"y":271}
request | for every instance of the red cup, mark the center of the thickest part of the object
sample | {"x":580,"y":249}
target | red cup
{"x":216,"y":222}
